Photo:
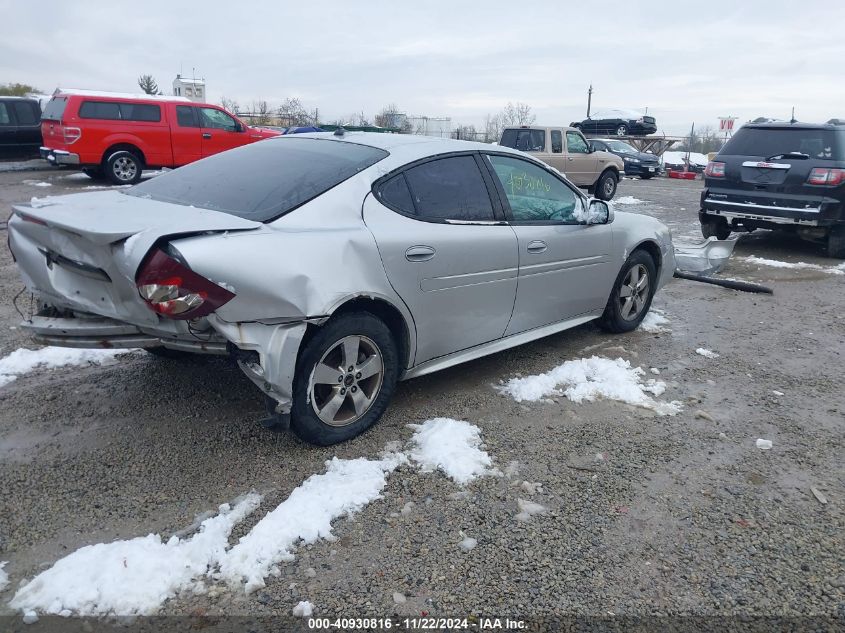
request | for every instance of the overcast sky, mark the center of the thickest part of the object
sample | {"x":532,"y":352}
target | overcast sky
{"x":684,"y":61}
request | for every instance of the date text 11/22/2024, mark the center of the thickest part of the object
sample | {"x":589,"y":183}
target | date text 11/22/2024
{"x":416,"y":624}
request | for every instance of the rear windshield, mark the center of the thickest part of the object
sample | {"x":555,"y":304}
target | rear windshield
{"x":525,"y":140}
{"x":768,"y":142}
{"x":54,"y":109}
{"x":264,"y":180}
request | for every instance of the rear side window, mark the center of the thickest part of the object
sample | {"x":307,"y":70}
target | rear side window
{"x":557,"y":142}
{"x":766,"y":142}
{"x":27,"y":112}
{"x":5,"y":119}
{"x":524,"y":139}
{"x":395,"y":194}
{"x":264,"y":180}
{"x":54,"y":109}
{"x":449,"y":189}
{"x":113,"y":111}
{"x":186,"y":116}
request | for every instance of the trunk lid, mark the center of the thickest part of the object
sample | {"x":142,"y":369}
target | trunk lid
{"x":83,"y":251}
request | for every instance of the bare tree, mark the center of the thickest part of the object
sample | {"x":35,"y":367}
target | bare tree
{"x":148,"y":85}
{"x":492,"y":128}
{"x":293,"y":114}
{"x":230,"y":105}
{"x":466,"y":133}
{"x":260,"y":112}
{"x":390,"y":116}
{"x":517,"y":114}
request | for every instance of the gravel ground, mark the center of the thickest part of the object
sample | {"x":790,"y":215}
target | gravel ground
{"x":683,"y":515}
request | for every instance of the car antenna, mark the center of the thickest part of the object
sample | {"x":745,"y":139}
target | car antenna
{"x":339,"y":131}
{"x":793,"y":119}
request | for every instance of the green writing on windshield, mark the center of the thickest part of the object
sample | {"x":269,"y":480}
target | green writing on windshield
{"x":525,"y":184}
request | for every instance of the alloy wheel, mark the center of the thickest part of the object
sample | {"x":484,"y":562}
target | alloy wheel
{"x":125,"y":168}
{"x":347,"y":380}
{"x":633,"y":294}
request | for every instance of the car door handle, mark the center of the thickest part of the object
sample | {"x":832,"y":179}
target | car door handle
{"x":206,"y":134}
{"x":537,"y":246}
{"x":570,"y":158}
{"x":419,"y":253}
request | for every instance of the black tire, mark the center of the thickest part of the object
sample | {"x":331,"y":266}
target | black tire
{"x":606,"y":185}
{"x":613,"y":319}
{"x":717,"y":228}
{"x":836,"y":242}
{"x":305,"y":421}
{"x":622,"y":130}
{"x":646,"y":176}
{"x":123,"y":167}
{"x":94,"y":173}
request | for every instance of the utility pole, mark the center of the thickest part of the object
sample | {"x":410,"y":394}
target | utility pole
{"x":589,"y":99}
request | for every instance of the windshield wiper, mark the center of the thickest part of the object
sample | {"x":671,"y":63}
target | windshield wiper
{"x":796,"y":155}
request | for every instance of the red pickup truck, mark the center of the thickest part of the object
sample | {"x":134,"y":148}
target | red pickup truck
{"x":116,"y":135}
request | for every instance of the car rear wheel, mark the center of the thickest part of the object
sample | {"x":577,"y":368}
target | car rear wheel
{"x":622,"y":130}
{"x":124,"y":168}
{"x":606,"y":186}
{"x":345,"y":378}
{"x":717,"y":228}
{"x":836,"y":242}
{"x":631,"y":296}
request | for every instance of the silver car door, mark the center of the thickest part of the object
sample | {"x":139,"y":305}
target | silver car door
{"x":565,"y":267}
{"x":446,"y":253}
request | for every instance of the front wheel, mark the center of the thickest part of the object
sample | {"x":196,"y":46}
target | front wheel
{"x":606,"y":186}
{"x":836,"y":242}
{"x":631,"y":296}
{"x":345,"y":378}
{"x":717,"y":228}
{"x":622,"y":130}
{"x":123,"y":168}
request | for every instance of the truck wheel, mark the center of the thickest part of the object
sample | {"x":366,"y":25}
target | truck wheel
{"x":345,"y":377}
{"x":631,"y":296}
{"x":123,"y":168}
{"x":606,"y":186}
{"x":94,"y":173}
{"x":717,"y":228}
{"x":622,"y":130}
{"x":836,"y":242}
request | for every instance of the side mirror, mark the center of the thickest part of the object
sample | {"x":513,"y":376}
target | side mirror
{"x":239,"y":127}
{"x":599,"y":212}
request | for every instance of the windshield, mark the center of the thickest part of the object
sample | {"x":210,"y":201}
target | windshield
{"x":264,"y":180}
{"x":764,"y":142}
{"x":619,"y":146}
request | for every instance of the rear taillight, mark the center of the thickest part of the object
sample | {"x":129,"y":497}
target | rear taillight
{"x":175,"y":291}
{"x":715,"y":170}
{"x":71,"y":134}
{"x":827,"y":176}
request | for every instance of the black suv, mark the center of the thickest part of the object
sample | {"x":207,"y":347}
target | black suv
{"x":20,"y":127}
{"x":781,"y":176}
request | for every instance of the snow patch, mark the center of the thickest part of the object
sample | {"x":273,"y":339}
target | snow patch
{"x":701,"y":351}
{"x":775,"y":263}
{"x":764,"y":445}
{"x":35,"y":183}
{"x":306,"y":516}
{"x":132,"y":577}
{"x":303,"y":609}
{"x":452,"y":446}
{"x":4,"y":577}
{"x":23,"y":361}
{"x":625,"y":200}
{"x":588,"y":379}
{"x":528,"y":509}
{"x":468,"y":544}
{"x":654,"y":321}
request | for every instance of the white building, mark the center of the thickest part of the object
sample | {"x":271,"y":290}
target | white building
{"x":193,"y":89}
{"x":431,"y":126}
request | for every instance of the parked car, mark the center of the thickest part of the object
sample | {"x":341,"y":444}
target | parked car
{"x":568,"y":151}
{"x":636,"y":163}
{"x":618,"y":123}
{"x":116,"y":135}
{"x":684,"y":161}
{"x":332,"y":266}
{"x":20,"y":127}
{"x":781,"y":176}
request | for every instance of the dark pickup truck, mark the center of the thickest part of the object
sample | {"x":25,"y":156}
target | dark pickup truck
{"x":20,"y":127}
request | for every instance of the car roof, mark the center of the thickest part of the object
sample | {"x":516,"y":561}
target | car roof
{"x":119,"y":95}
{"x":16,"y":98}
{"x":786,"y":125}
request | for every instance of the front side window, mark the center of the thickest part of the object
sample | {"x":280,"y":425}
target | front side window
{"x":575,"y":143}
{"x":449,"y":189}
{"x":534,"y":194}
{"x":557,"y":142}
{"x":212,"y":118}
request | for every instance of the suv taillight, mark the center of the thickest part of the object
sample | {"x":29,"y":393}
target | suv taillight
{"x":71,"y":134}
{"x":175,"y":291}
{"x":715,"y":170}
{"x":828,"y":176}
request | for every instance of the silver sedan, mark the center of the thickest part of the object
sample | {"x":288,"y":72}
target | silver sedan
{"x":330,"y":266}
